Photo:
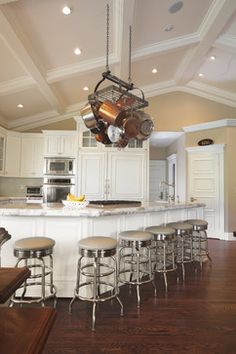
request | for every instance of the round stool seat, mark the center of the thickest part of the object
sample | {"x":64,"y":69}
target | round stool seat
{"x":181,"y":227}
{"x":134,"y":235}
{"x":198,"y":224}
{"x":97,"y":243}
{"x":34,"y":244}
{"x":161,"y":232}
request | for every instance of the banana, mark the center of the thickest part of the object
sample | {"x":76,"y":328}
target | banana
{"x":73,"y":198}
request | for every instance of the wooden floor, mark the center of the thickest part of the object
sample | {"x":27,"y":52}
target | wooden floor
{"x":199,"y":317}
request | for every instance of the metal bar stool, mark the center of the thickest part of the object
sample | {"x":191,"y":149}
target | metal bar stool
{"x":97,"y":279}
{"x":200,"y":241}
{"x":163,"y":245}
{"x":4,"y":237}
{"x":36,"y":254}
{"x":184,"y":245}
{"x":135,"y":259}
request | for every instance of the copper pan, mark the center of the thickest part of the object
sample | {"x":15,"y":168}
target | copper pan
{"x":131,"y":126}
{"x":111,"y":113}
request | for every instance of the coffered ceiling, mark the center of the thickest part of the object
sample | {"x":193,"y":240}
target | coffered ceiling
{"x":38,"y":67}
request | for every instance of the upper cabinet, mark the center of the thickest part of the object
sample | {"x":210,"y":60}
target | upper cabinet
{"x":24,"y":155}
{"x":31,"y":155}
{"x":60,"y":143}
{"x":87,"y":140}
{"x":13,"y":154}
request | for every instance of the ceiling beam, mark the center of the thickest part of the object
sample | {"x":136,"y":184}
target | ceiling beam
{"x":18,"y":45}
{"x":2,"y":2}
{"x":124,"y":14}
{"x":218,"y":15}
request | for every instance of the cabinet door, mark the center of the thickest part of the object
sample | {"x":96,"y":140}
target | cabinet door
{"x":67,"y":146}
{"x":59,"y":145}
{"x":92,"y":172}
{"x":32,"y":157}
{"x":126,"y":176}
{"x":51,"y":145}
{"x":13,"y":153}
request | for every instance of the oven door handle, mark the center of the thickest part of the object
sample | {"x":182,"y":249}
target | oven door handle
{"x":58,"y":185}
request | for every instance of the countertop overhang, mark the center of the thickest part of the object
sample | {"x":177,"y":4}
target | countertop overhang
{"x":18,"y":207}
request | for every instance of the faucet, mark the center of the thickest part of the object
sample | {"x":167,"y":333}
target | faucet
{"x":166,"y":185}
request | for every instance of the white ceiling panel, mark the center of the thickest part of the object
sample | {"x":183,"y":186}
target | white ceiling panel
{"x":39,"y":68}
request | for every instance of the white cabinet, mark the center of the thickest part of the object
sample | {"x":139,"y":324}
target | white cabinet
{"x":31,"y":155}
{"x":60,"y":143}
{"x":13,"y":154}
{"x":126,"y":175}
{"x":113,"y":175}
{"x":92,"y":174}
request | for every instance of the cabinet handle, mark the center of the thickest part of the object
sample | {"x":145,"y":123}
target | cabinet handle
{"x":192,"y":199}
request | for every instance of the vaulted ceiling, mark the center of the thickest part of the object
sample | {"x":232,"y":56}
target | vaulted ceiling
{"x":38,"y":67}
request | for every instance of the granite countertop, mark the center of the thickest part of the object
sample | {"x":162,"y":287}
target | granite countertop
{"x":18,"y":207}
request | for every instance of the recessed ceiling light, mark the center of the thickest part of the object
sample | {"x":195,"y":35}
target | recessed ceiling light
{"x":20,"y":105}
{"x":154,"y":70}
{"x":168,"y":28}
{"x":85,"y":88}
{"x":77,"y":51}
{"x":177,"y":6}
{"x":200,"y":74}
{"x":212,"y":57}
{"x":66,"y":10}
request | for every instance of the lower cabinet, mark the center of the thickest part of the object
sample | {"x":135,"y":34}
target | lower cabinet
{"x":113,"y":175}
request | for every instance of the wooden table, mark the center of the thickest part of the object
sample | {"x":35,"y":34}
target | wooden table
{"x":10,"y":280}
{"x":25,"y":330}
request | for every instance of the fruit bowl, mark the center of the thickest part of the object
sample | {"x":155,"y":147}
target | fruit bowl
{"x":75,"y":204}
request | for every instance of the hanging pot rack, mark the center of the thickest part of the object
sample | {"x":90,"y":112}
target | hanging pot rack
{"x":119,"y":94}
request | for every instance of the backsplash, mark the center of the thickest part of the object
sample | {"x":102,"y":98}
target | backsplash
{"x":16,"y":187}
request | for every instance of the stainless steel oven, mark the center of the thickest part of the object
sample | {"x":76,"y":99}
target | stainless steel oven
{"x":55,"y":189}
{"x":59,"y":166}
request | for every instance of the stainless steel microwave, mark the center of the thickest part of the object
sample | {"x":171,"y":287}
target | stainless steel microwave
{"x":59,"y":166}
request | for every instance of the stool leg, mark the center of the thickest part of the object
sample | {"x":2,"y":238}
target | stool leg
{"x":138,"y":277}
{"x":43,"y":282}
{"x":95,"y":291}
{"x":77,"y":284}
{"x":182,"y":258}
{"x":52,"y":286}
{"x":150,"y":271}
{"x":116,"y":273}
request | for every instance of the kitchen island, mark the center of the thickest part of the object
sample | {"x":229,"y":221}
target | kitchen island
{"x":67,"y":226}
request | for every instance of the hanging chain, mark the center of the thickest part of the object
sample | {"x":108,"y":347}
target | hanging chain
{"x":130,"y":45}
{"x":107,"y":44}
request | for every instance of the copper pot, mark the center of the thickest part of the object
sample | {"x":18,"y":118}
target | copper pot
{"x":103,"y":138}
{"x":111,"y":113}
{"x":131,"y":126}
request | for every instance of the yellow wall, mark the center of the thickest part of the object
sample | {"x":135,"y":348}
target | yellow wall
{"x":173,"y":111}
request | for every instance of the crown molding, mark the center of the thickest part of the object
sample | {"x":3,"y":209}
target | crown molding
{"x":159,"y":88}
{"x":215,"y":147}
{"x":226,"y":42}
{"x":165,"y":46}
{"x":67,"y":71}
{"x":16,"y":85}
{"x":210,"y":17}
{"x":44,"y":118}
{"x":210,"y":125}
{"x":211,"y":93}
